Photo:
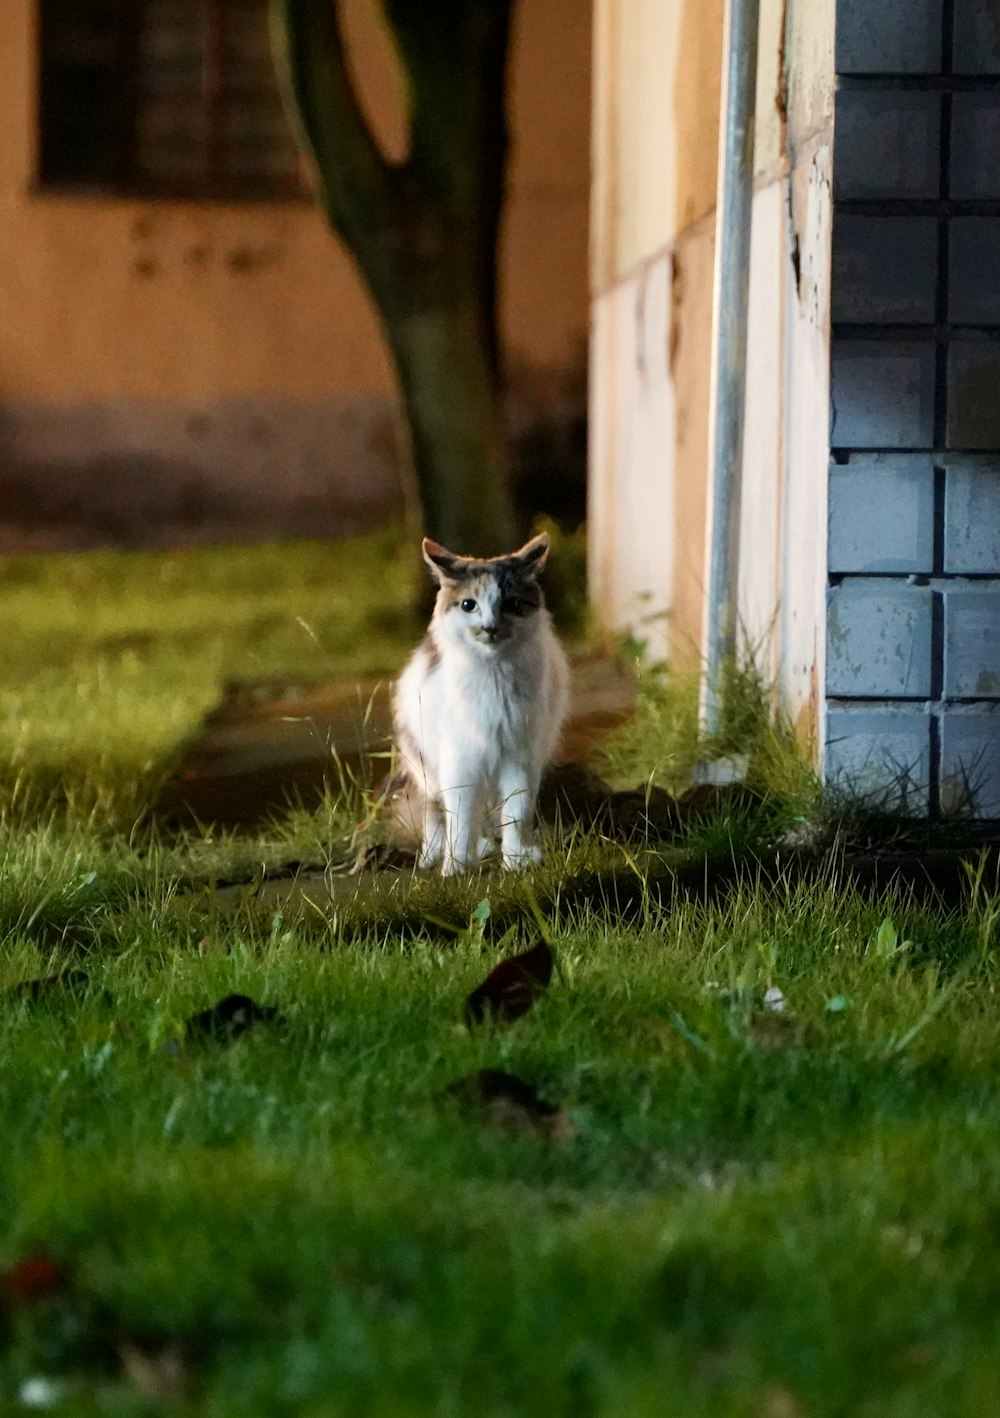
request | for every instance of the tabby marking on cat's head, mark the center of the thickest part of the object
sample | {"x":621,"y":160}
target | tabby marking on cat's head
{"x":487,"y":602}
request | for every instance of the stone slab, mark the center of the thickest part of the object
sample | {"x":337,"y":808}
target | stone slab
{"x":882,"y":394}
{"x":970,"y":761}
{"x":884,"y":269}
{"x":881,"y":508}
{"x":974,"y":394}
{"x":972,"y":517}
{"x":976,"y":46}
{"x":902,"y":129}
{"x":974,"y":266}
{"x":878,"y":639}
{"x":901,"y":37}
{"x":972,"y":641}
{"x":975,"y":145}
{"x":879,"y":755}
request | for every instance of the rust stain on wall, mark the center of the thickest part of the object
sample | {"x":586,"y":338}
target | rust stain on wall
{"x":692,"y":367}
{"x":781,"y":93}
{"x":676,"y":308}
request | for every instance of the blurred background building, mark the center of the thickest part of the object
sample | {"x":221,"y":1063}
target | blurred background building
{"x":185,"y":351}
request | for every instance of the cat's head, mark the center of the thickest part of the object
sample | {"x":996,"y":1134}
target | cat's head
{"x":488,"y":604}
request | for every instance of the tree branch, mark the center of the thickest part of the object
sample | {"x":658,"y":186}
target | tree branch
{"x":454,"y":56}
{"x":310,"y":58}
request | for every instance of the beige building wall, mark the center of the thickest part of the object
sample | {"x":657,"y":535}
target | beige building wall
{"x":657,"y":98}
{"x":182,"y":359}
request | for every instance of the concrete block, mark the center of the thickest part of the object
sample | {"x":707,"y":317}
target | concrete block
{"x":903,"y":37}
{"x":882,"y":394}
{"x":886,"y":144}
{"x":878,"y":639}
{"x":970,"y":761}
{"x":976,"y":42}
{"x":974,"y":394}
{"x":974,"y":262}
{"x":972,"y":641}
{"x":884,"y":270}
{"x":972,"y":517}
{"x":879,"y":755}
{"x":882,"y":513}
{"x":975,"y":145}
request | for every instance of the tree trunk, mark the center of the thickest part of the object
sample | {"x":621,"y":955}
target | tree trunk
{"x":424,"y":233}
{"x":459,"y":447}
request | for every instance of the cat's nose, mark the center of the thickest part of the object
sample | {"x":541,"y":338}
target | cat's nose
{"x":491,"y":632}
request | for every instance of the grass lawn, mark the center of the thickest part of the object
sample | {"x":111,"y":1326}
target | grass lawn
{"x":759,"y":1211}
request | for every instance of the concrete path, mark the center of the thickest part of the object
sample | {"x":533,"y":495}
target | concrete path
{"x":271,"y":744}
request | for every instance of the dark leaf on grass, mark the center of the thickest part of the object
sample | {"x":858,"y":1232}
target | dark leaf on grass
{"x":33,"y":1278}
{"x":646,"y":811}
{"x":384,"y":856}
{"x":512,"y":987}
{"x":703,"y":800}
{"x":572,"y":792}
{"x":230,"y":1018}
{"x":71,"y":981}
{"x":512,"y":1104}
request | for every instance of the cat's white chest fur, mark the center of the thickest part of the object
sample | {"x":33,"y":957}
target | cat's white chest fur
{"x":479,"y":709}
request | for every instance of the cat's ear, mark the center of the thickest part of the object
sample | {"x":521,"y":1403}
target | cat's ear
{"x":444,"y":564}
{"x":531,"y":558}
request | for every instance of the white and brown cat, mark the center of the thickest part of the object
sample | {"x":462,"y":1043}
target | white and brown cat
{"x":479,"y":708}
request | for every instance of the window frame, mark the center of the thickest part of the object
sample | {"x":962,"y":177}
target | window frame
{"x":220,"y":186}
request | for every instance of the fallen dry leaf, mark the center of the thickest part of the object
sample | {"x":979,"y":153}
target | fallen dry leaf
{"x":73,"y":981}
{"x":383,"y":856}
{"x":512,"y":987}
{"x":230,"y":1018}
{"x":512,"y":1104}
{"x":33,"y":1278}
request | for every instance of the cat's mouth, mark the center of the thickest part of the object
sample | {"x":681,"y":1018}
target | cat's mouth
{"x":493,"y":637}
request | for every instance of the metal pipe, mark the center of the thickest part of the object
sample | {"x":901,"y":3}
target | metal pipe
{"x":732,"y":284}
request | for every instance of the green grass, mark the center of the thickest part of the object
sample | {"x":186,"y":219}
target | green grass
{"x":759,"y":1213}
{"x":664,"y":744}
{"x":107,"y":662}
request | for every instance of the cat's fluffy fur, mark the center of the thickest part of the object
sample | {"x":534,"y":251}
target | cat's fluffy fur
{"x":479,"y":708}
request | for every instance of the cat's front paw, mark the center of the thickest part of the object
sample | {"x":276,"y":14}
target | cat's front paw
{"x":521,"y":857}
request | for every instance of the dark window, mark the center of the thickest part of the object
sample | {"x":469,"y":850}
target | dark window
{"x":165,"y":97}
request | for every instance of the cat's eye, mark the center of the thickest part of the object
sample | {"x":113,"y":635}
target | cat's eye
{"x":512,"y":605}
{"x":468,"y":605}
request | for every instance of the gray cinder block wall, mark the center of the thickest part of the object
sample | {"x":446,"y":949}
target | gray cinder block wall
{"x":913,"y":630}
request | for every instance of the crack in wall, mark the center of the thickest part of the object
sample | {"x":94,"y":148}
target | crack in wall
{"x":785,"y":143}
